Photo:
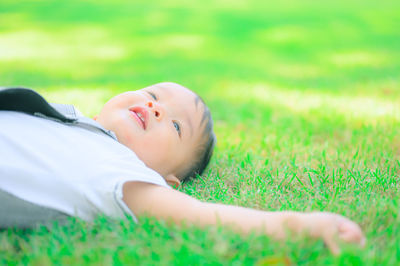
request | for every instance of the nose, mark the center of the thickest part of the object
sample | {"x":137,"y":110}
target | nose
{"x":155,"y":109}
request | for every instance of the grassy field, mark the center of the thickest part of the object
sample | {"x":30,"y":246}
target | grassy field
{"x":304,"y":94}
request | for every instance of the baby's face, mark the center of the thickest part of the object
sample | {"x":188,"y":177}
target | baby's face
{"x":160,"y":123}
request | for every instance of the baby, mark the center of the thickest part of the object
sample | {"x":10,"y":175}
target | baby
{"x":57,"y":163}
{"x":166,"y":125}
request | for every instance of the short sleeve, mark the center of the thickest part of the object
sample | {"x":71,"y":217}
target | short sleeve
{"x":107,"y":192}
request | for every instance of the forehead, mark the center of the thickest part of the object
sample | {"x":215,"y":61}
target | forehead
{"x":186,"y":102}
{"x":174,"y":91}
{"x":179,"y":95}
{"x":191,"y":111}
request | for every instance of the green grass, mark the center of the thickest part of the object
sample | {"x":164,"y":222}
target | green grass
{"x":304,"y":94}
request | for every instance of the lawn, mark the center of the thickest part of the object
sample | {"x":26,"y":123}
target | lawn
{"x":305,"y":99}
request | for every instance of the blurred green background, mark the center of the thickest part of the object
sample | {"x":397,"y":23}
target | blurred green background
{"x":325,"y":47}
{"x":304,"y":94}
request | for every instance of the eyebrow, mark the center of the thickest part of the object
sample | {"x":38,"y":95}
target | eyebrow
{"x":187,"y":117}
{"x":189,"y":122}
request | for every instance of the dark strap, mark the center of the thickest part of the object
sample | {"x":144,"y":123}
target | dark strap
{"x":28,"y":101}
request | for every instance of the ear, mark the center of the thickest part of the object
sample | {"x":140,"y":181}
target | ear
{"x":95,"y":117}
{"x":173,"y":181}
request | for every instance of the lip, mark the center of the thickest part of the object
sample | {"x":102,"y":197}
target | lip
{"x":143,"y":112}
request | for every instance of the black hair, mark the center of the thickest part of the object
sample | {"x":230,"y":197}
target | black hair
{"x":205,"y":148}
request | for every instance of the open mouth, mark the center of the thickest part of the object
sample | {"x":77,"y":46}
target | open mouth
{"x":140,"y":115}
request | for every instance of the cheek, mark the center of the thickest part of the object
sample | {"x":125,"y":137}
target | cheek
{"x":154,"y":152}
{"x":156,"y":142}
{"x":123,"y":99}
{"x":159,"y":142}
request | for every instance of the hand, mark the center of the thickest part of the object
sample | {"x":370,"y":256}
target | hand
{"x":332,"y":228}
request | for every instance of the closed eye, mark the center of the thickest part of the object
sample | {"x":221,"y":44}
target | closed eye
{"x":153,"y":95}
{"x":177,"y":127}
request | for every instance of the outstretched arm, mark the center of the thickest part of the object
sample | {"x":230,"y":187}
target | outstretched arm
{"x":169,"y":204}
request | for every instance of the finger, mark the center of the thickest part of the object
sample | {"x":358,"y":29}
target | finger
{"x":332,"y":245}
{"x":363,"y":241}
{"x":330,"y":238}
{"x":351,"y":232}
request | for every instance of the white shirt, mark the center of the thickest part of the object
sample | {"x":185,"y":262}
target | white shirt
{"x":66,"y":167}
